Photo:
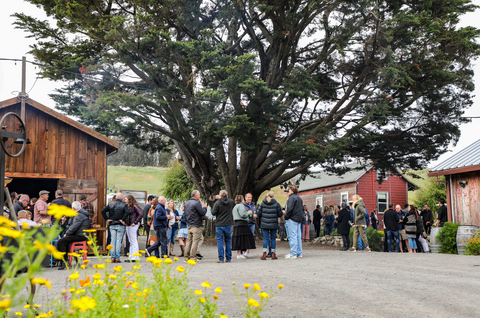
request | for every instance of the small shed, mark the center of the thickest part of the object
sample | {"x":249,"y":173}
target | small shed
{"x":63,"y":154}
{"x":462,"y":175}
{"x":323,"y":188}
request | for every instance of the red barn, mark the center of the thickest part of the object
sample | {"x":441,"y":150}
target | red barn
{"x":462,"y":175}
{"x":325,"y":189}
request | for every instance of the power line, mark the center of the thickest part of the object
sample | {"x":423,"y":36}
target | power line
{"x":209,"y":100}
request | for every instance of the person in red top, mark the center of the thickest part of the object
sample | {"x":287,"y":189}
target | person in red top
{"x":40,"y":209}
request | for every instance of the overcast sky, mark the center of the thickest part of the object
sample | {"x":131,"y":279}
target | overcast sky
{"x":14,"y":45}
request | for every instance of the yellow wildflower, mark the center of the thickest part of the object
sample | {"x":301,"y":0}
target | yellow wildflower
{"x":165,"y":256}
{"x":6,"y":296}
{"x":191,"y":262}
{"x":4,"y":304}
{"x":233,"y":283}
{"x":42,"y":281}
{"x":18,"y":313}
{"x":157,"y":262}
{"x":252,"y":302}
{"x":151,"y":259}
{"x":117,"y":268}
{"x":98,"y":282}
{"x":280,"y":286}
{"x":37,"y":306}
{"x":263,"y":295}
{"x":109,"y":247}
{"x":7,"y":222}
{"x":218,"y":290}
{"x":168,"y":261}
{"x":215,"y":296}
{"x":53,"y":250}
{"x":89,"y":231}
{"x":83,"y":266}
{"x":128,"y":273}
{"x":206,"y":284}
{"x":74,"y":254}
{"x":26,"y":306}
{"x":202,"y":300}
{"x":180,"y":269}
{"x":99,"y":266}
{"x":84,"y":303}
{"x":256,"y":286}
{"x":97,"y":276}
{"x":89,"y":243}
{"x":137,"y":266}
{"x":79,"y":291}
{"x":137,"y":254}
{"x":247,"y":286}
{"x":42,"y":315}
{"x":3,"y":249}
{"x":74,"y":276}
{"x":223,"y":316}
{"x":59,"y":211}
{"x":198,"y":292}
{"x":175,"y":259}
{"x":112,"y":276}
{"x":85,"y":261}
{"x":5,"y":231}
{"x":82,"y":252}
{"x":142,"y":252}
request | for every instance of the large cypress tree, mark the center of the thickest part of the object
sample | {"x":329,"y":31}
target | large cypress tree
{"x":255,"y":92}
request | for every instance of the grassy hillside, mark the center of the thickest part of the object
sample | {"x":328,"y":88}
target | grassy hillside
{"x":136,"y":178}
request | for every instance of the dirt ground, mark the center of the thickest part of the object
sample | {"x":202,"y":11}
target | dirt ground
{"x":330,"y":283}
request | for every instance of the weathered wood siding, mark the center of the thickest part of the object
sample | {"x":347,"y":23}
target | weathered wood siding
{"x":467,"y":199}
{"x":330,"y":195}
{"x":57,"y":150}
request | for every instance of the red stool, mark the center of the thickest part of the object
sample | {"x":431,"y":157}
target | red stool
{"x":75,"y":247}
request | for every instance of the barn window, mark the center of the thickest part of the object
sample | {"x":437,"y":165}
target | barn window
{"x":382,"y":201}
{"x":343,"y":197}
{"x":319,"y":201}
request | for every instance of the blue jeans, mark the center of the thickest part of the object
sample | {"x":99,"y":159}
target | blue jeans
{"x":171,"y":235}
{"x":269,"y":241}
{"x":294,"y":237}
{"x":389,"y":240}
{"x":361,"y":244}
{"x":162,"y":242}
{"x":224,"y":232}
{"x":252,"y":228}
{"x":117,"y":236}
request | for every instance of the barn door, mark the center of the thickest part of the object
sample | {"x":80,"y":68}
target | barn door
{"x":73,"y":188}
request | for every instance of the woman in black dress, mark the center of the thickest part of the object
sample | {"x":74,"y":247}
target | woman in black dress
{"x":242,"y":238}
{"x":343,"y":226}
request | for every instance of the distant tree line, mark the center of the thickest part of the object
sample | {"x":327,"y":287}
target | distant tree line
{"x":128,"y":155}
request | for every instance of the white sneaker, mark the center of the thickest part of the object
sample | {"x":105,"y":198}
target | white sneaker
{"x":241,"y":257}
{"x":300,"y":256}
{"x":290,"y":257}
{"x":248,"y":255}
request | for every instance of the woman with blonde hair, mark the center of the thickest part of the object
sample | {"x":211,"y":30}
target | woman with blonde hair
{"x":269,"y":211}
{"x":172,"y":225}
{"x":329,"y":220}
{"x":242,"y":238}
{"x":359,"y":223}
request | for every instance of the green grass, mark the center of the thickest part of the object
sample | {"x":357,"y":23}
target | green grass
{"x":136,"y":178}
{"x":422,"y":182}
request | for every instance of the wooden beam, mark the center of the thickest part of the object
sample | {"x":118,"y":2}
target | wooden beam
{"x":65,"y":119}
{"x":35,"y":175}
{"x":454,"y":171}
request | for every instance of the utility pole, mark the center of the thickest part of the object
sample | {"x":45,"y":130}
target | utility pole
{"x":23,"y":95}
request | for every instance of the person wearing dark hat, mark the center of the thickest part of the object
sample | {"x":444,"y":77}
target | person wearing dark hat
{"x":40,"y":209}
{"x":344,"y":225}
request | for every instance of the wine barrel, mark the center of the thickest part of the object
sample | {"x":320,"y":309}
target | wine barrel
{"x":434,"y":243}
{"x":464,"y":234}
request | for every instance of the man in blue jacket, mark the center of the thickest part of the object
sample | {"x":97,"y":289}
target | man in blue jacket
{"x":293,"y":220}
{"x":160,"y":224}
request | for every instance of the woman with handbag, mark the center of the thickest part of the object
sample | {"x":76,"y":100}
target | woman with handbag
{"x":135,"y":217}
{"x":151,"y":213}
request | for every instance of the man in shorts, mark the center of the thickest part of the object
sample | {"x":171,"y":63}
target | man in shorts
{"x":401,"y":226}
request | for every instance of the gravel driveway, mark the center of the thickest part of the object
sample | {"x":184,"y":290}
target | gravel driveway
{"x":330,"y":283}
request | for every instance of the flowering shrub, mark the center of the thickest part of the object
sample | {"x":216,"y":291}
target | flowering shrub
{"x":472,"y":247}
{"x":105,"y":287}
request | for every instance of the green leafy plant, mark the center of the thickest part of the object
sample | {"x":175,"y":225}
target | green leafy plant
{"x":447,"y":236}
{"x":374,"y":239}
{"x":472,"y":247}
{"x":476,"y":234}
{"x":335,"y":233}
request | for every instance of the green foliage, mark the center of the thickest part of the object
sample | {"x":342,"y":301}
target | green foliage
{"x":374,"y":239}
{"x":476,"y":234}
{"x":335,"y":233}
{"x":472,"y":247}
{"x":136,"y":178}
{"x":430,"y":193}
{"x":447,"y":236}
{"x":254,"y":92}
{"x":176,"y":185}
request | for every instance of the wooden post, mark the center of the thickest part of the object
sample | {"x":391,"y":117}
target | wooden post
{"x":23,"y":94}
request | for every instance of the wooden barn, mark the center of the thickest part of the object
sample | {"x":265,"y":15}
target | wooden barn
{"x":63,"y":154}
{"x":462,"y":174}
{"x":326,"y":189}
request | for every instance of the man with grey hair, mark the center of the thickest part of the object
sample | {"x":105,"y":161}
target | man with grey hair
{"x":194,"y":212}
{"x":24,"y":221}
{"x":21,"y":204}
{"x":75,"y":232}
{"x":116,"y":214}
{"x":60,"y":200}
{"x":160,"y":224}
{"x":222,"y":210}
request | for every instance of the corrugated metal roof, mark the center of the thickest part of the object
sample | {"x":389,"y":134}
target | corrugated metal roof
{"x":469,"y":156}
{"x":323,"y":179}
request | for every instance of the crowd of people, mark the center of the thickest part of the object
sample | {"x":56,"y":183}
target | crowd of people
{"x":235,"y":223}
